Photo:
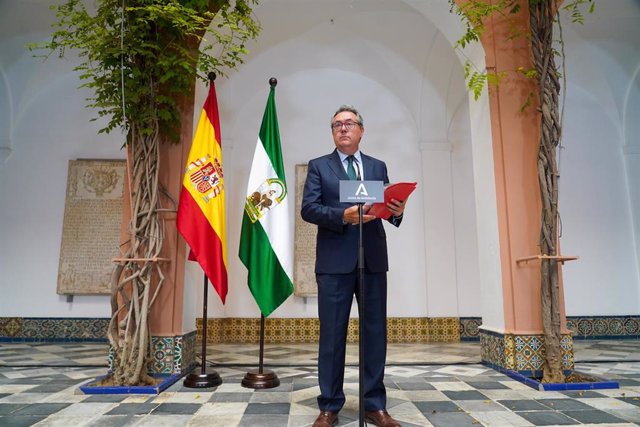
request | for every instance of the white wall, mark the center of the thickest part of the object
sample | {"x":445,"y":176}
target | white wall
{"x":405,"y":94}
{"x":599,"y":174}
{"x":408,"y":84}
{"x":595,"y":213}
{"x":47,"y":125}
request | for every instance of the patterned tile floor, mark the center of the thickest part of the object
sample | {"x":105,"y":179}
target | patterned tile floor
{"x":434,"y":384}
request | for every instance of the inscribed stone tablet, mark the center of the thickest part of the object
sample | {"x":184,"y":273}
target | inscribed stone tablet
{"x":91,"y":227}
{"x":304,"y":278}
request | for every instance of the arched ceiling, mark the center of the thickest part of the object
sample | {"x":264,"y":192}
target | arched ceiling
{"x":395,"y":43}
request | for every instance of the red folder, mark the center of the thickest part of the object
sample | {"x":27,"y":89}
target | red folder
{"x":398,"y":191}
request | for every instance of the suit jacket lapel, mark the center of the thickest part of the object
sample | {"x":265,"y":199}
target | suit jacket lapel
{"x":367,"y":166}
{"x":336,"y":166}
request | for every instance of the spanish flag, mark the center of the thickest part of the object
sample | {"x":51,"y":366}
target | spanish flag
{"x":201,"y":217}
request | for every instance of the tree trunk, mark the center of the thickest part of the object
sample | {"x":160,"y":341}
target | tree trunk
{"x":131,"y":282}
{"x":136,"y":282}
{"x":542,"y":15}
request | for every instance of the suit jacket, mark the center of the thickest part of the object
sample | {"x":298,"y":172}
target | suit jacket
{"x":337,"y":243}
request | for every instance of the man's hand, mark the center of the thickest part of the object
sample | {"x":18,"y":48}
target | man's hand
{"x":396,"y":207}
{"x":350,"y":215}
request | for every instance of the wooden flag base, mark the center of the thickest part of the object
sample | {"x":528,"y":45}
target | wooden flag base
{"x":202,"y":380}
{"x":260,"y":380}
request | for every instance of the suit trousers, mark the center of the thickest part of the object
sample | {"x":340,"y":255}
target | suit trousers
{"x":335,"y":297}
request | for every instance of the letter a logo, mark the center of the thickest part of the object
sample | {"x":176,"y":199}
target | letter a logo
{"x":361,"y":191}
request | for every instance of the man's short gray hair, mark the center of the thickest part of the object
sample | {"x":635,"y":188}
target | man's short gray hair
{"x":351,"y":109}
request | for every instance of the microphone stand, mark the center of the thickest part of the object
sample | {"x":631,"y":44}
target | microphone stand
{"x":361,"y":315}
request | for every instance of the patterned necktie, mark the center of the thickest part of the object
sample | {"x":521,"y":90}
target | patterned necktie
{"x":351,"y":171}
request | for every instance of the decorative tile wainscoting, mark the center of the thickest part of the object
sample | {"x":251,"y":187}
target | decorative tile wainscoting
{"x":173,"y":355}
{"x":239,"y":330}
{"x":521,"y":353}
{"x":470,"y":328}
{"x":292,"y":330}
{"x":53,"y":329}
{"x":604,"y":327}
{"x":307,"y":330}
{"x":169,"y":355}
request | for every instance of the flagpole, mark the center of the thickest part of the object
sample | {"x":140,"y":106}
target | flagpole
{"x":262,"y":378}
{"x":261,"y":360}
{"x":204,"y":379}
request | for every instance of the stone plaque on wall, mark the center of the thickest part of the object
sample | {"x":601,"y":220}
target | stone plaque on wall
{"x":304,"y":278}
{"x":91,"y":226}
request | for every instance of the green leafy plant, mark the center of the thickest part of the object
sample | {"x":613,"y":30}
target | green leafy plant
{"x":141,"y":59}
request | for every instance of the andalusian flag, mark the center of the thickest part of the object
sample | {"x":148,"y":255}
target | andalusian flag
{"x":201,"y":218}
{"x":266,"y":243}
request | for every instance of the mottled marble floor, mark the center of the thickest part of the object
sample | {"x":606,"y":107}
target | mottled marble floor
{"x":434,"y":384}
{"x":95,"y":354}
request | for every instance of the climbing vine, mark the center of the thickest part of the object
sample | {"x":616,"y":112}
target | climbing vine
{"x":545,"y":48}
{"x":141,"y":59}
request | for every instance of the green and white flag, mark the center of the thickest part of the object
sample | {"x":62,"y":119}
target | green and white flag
{"x":266,"y":243}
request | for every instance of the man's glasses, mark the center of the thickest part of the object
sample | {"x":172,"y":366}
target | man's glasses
{"x":336,"y":126}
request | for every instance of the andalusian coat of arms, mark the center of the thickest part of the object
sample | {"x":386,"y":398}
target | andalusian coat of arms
{"x":266,"y":197}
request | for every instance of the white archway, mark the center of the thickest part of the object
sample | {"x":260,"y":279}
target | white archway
{"x":407,"y":81}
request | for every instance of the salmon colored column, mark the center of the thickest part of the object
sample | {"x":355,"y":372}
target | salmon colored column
{"x":166,"y":317}
{"x":515,"y":135}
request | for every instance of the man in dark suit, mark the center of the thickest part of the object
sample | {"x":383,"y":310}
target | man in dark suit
{"x":336,"y":269}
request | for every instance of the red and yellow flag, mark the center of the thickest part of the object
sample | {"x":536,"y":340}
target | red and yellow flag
{"x":201,"y":217}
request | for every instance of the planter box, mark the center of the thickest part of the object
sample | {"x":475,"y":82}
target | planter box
{"x":535,"y":383}
{"x":166,"y":380}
